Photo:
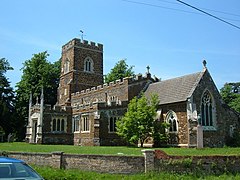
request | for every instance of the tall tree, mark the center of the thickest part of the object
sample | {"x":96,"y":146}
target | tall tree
{"x":37,"y":73}
{"x":6,"y":99}
{"x":231,"y":95}
{"x":119,"y":71}
{"x":138,"y":122}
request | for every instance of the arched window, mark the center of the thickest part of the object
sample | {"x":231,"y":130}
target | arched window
{"x":88,"y":64}
{"x":207,"y":109}
{"x":171,"y":118}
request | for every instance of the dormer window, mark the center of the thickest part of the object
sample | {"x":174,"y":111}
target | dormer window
{"x":88,"y":65}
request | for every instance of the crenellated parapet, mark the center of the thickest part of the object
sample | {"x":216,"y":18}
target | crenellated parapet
{"x":82,"y":44}
{"x":48,"y":108}
{"x":120,"y":82}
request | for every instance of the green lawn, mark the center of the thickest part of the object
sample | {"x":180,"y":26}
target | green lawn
{"x":55,"y":174}
{"x":114,"y":150}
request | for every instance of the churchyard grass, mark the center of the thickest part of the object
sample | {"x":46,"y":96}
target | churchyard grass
{"x":55,"y":174}
{"x":114,"y":150}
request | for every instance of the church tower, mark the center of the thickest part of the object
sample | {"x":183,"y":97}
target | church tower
{"x":81,"y":68}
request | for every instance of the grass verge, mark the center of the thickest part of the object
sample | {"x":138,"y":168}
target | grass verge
{"x":57,"y":174}
{"x":115,"y":150}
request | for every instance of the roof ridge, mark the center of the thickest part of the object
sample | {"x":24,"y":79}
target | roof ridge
{"x":176,"y":89}
{"x":179,"y":77}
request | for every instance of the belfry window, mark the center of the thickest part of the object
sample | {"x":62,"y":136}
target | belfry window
{"x":171,"y":118}
{"x":88,"y":65}
{"x":206,"y":109}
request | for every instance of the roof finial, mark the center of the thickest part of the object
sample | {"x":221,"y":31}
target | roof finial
{"x":148,"y":69}
{"x":204,"y":64}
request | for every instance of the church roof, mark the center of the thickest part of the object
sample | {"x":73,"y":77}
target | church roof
{"x":176,"y":89}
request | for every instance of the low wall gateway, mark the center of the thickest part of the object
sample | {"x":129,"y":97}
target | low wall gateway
{"x":151,"y":160}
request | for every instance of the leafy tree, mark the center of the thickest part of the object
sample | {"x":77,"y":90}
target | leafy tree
{"x":6,"y":99}
{"x":138,"y":122}
{"x":37,"y":73}
{"x":231,"y":95}
{"x":119,"y":71}
{"x":160,"y":137}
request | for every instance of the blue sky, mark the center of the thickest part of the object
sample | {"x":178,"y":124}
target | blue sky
{"x":171,"y":38}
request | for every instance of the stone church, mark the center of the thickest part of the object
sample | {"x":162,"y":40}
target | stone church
{"x":87,"y":109}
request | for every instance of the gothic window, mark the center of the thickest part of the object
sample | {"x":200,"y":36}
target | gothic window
{"x":66,"y":66}
{"x":112,"y":124}
{"x":85,"y":124}
{"x":88,"y":65}
{"x":206,"y":109}
{"x":58,"y":125}
{"x":171,"y":118}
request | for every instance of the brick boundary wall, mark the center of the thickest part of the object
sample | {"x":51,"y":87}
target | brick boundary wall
{"x":152,"y":160}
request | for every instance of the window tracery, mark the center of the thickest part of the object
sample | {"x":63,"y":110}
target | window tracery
{"x":171,"y":118}
{"x":88,"y":65}
{"x":206,"y":109}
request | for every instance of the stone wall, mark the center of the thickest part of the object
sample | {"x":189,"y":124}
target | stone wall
{"x":152,"y":160}
{"x":104,"y":163}
{"x":196,"y":164}
{"x":97,"y":163}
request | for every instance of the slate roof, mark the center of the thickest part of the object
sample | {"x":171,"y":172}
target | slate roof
{"x":176,"y":89}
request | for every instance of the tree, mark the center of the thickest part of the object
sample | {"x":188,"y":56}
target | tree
{"x":231,"y":95}
{"x":119,"y":71}
{"x":138,"y":122}
{"x":7,"y":99}
{"x":37,"y":73}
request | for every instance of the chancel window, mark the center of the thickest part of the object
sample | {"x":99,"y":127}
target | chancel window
{"x":171,"y":118}
{"x":88,"y":64}
{"x":58,"y":125}
{"x":207,"y":109}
